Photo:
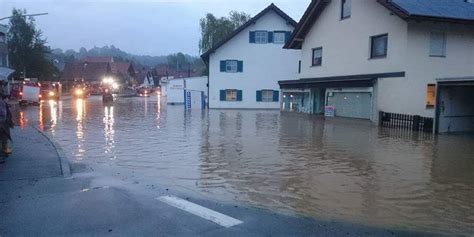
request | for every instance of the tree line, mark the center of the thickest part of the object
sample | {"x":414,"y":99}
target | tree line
{"x":30,"y":57}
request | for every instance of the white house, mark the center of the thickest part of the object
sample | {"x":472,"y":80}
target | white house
{"x":244,"y":69}
{"x":412,"y":57}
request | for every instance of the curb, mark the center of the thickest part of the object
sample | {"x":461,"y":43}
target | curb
{"x":63,"y":160}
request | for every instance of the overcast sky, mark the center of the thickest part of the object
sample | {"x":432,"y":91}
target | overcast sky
{"x":145,"y":27}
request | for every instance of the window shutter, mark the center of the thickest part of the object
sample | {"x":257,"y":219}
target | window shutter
{"x":240,"y":66}
{"x":259,"y":96}
{"x":252,"y":37}
{"x":270,"y":37}
{"x":239,"y":95}
{"x":287,"y":36}
{"x":223,"y":66}
{"x":276,"y":96}
{"x":222,"y":95}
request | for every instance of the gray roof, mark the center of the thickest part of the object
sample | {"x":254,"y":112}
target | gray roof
{"x":3,"y":29}
{"x":454,"y":9}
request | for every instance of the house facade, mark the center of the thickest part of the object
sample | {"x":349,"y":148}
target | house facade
{"x":3,"y":46}
{"x":364,"y":56}
{"x":245,"y":68}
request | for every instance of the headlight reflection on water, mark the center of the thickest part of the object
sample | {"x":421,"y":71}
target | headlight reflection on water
{"x":80,"y":115}
{"x":109,"y":132}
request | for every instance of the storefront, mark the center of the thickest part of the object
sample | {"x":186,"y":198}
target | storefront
{"x":351,"y":98}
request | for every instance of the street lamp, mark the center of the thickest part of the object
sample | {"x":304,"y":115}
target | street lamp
{"x":36,"y":14}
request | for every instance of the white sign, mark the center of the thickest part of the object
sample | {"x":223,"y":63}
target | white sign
{"x":329,"y":111}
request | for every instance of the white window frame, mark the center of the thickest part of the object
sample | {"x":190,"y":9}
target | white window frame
{"x":231,"y":95}
{"x":231,"y":66}
{"x":279,"y":37}
{"x":434,"y":36}
{"x":261,"y":37}
{"x":267,"y":95}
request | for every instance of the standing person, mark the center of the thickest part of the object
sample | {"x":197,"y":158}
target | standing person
{"x":6,"y":123}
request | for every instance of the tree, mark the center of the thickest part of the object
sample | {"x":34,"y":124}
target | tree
{"x":214,"y":30}
{"x":26,"y":48}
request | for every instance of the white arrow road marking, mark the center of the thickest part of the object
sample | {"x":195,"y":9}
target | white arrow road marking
{"x":206,"y":213}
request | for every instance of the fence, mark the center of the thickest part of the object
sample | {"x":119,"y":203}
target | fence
{"x":405,"y":122}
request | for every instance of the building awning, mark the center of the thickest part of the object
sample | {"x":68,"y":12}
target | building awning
{"x":360,"y":80}
{"x":5,"y":72}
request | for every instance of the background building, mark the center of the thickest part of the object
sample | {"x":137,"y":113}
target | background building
{"x":244,"y":68}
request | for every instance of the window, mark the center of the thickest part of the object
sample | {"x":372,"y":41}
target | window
{"x":2,"y":38}
{"x":231,"y":95}
{"x":267,"y":95}
{"x":231,"y":66}
{"x":438,"y":45}
{"x":431,"y":96}
{"x":279,"y":37}
{"x":317,"y":57}
{"x":346,"y":6}
{"x":379,"y":46}
{"x":3,"y":60}
{"x":299,"y":67}
{"x":261,"y":37}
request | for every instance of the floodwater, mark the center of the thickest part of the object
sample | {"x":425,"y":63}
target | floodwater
{"x":336,"y":169}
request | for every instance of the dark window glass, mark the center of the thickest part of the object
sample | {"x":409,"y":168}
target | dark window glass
{"x":317,"y":56}
{"x":379,"y":46}
{"x":346,"y":9}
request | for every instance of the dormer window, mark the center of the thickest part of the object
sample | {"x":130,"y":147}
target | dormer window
{"x":346,"y":6}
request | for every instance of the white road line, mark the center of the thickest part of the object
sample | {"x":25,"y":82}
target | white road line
{"x":206,"y":213}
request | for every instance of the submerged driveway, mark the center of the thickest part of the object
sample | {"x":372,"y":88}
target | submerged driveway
{"x":345,"y":170}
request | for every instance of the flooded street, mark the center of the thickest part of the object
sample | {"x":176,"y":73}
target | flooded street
{"x":339,"y":169}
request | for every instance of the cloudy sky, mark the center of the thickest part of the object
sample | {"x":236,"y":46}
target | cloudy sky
{"x":146,"y":27}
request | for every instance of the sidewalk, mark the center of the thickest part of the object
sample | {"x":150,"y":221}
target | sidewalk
{"x":34,"y":157}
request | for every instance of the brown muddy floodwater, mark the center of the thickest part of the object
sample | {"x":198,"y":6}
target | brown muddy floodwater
{"x":336,"y":169}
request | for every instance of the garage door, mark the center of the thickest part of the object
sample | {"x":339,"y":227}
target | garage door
{"x":352,"y":104}
{"x":456,"y":110}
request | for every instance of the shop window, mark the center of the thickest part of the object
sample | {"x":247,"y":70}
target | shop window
{"x":431,"y":96}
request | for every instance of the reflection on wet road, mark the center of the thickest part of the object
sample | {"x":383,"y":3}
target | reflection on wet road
{"x":341,"y":169}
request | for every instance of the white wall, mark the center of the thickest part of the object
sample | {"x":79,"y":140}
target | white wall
{"x":408,"y":95}
{"x":263,"y":66}
{"x":175,"y":88}
{"x":346,"y":51}
{"x":346,"y":43}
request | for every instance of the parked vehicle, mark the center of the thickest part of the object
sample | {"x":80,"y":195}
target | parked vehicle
{"x":30,"y":92}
